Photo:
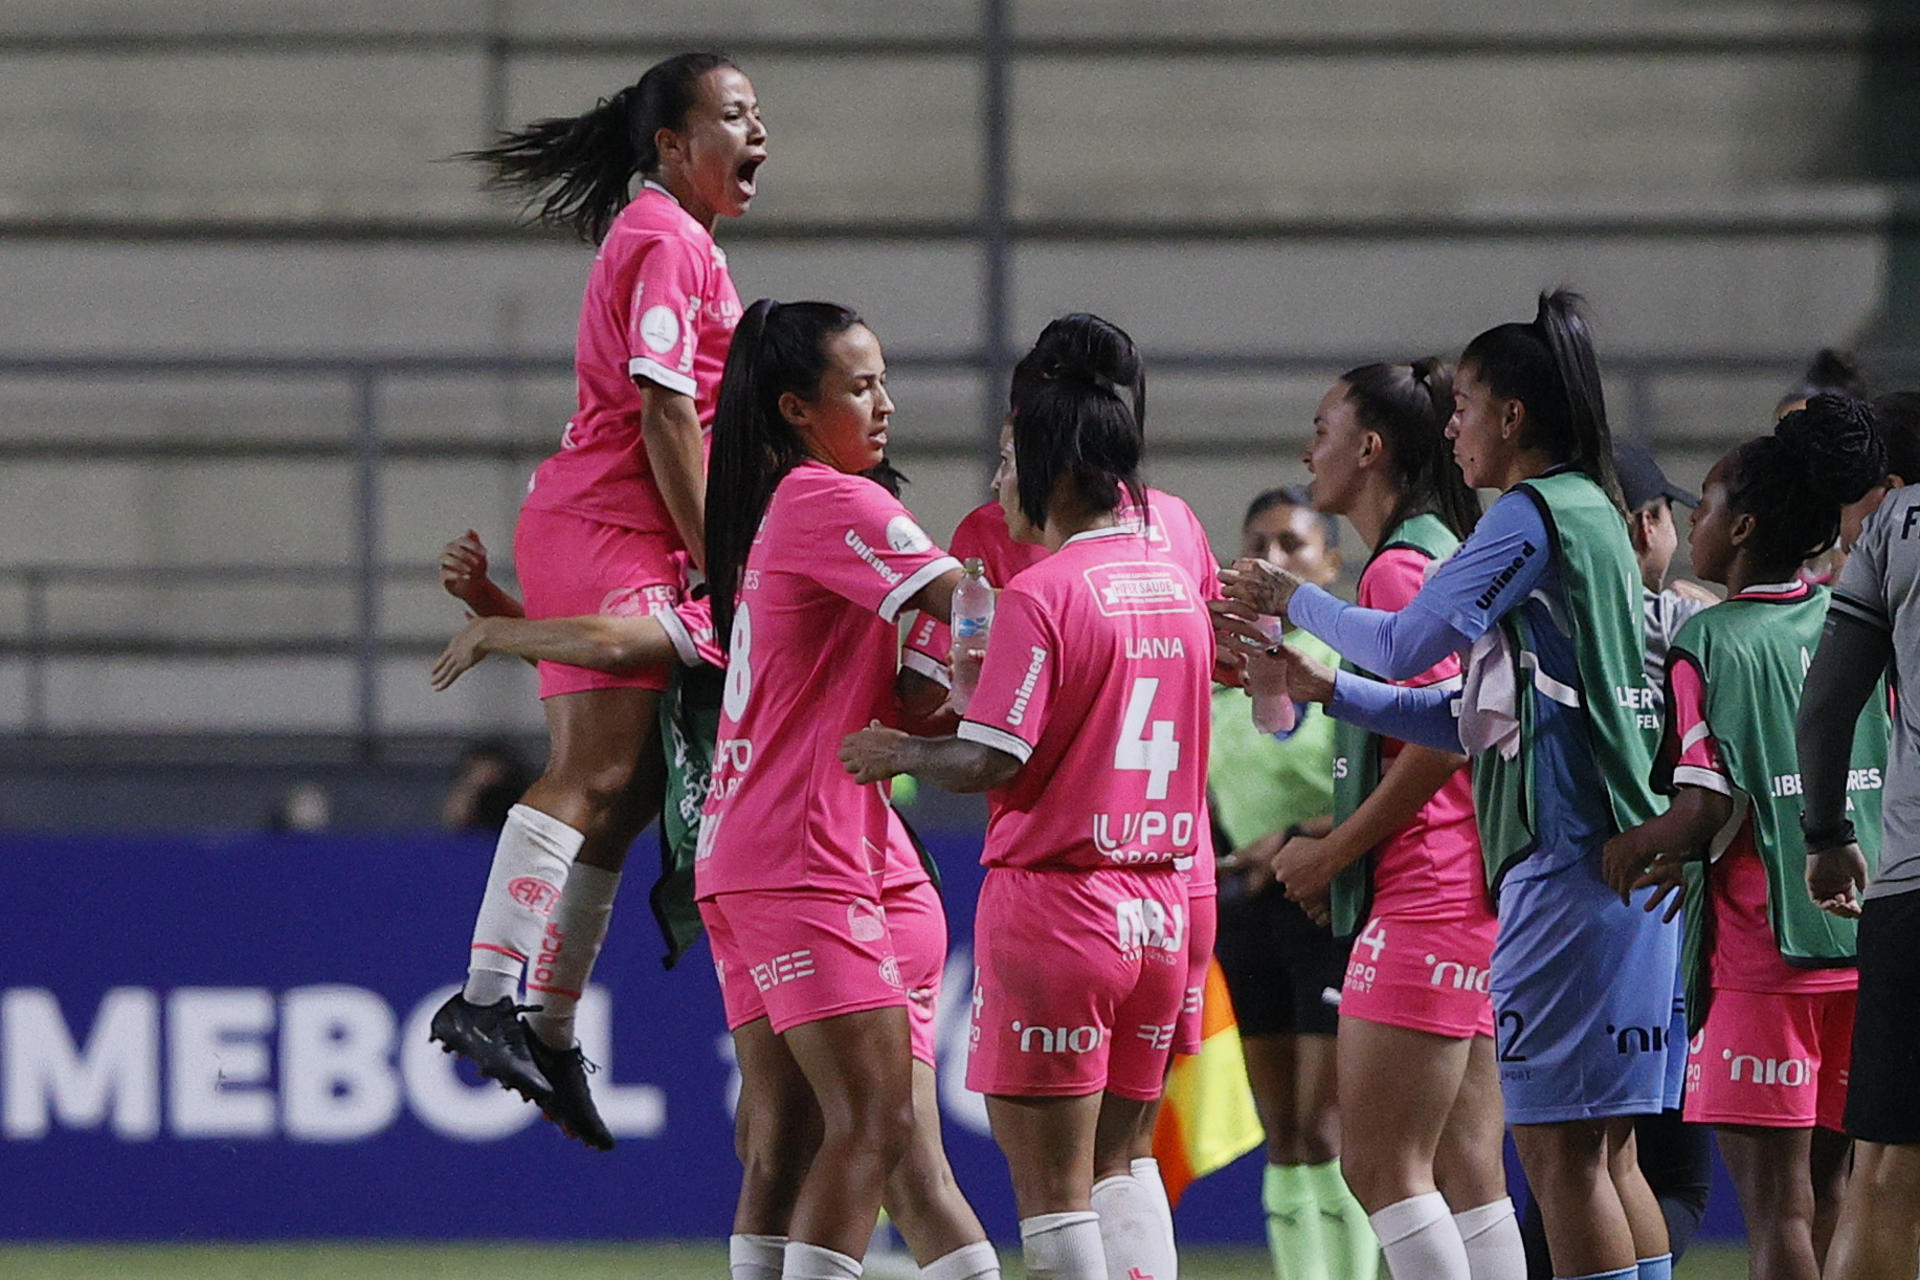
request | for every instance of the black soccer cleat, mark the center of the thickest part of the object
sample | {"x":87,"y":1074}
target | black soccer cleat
{"x":492,"y":1037}
{"x":569,"y":1103}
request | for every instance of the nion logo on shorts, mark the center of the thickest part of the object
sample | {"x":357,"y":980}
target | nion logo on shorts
{"x":791,"y":967}
{"x":1057,"y":1039}
{"x":1794,"y":1073}
{"x":1638,"y":1039}
{"x":533,"y":893}
{"x":1460,"y":977}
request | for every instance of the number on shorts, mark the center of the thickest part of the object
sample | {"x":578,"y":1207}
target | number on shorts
{"x":1373,"y":937}
{"x":1157,"y":754}
{"x":739,"y":665}
{"x":1519,"y":1025}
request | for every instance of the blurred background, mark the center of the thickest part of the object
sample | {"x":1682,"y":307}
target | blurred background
{"x":264,"y":347}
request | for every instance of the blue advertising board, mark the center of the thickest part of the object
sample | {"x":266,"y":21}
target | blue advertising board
{"x":225,"y":1038}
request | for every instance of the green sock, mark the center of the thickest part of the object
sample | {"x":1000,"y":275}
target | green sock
{"x":1352,"y":1249}
{"x":1293,"y":1224}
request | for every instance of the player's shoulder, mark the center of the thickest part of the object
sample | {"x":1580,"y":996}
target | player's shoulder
{"x":654,"y":220}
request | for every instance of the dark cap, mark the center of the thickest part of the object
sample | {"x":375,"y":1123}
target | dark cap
{"x":1642,"y":480}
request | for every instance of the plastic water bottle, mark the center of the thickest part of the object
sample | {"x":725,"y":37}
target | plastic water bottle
{"x":1273,"y":709}
{"x":972,"y":622}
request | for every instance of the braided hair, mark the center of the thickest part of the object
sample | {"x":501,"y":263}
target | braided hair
{"x":1794,"y":482}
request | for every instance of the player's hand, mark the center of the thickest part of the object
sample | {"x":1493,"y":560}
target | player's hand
{"x":1666,"y":874}
{"x":1319,"y":910}
{"x":1305,"y":867}
{"x":1281,"y":667}
{"x":1622,"y":862}
{"x":461,"y":655}
{"x":463,"y":569}
{"x":1261,"y":585}
{"x":868,"y":753}
{"x":1836,"y":879}
{"x":1254,"y":860}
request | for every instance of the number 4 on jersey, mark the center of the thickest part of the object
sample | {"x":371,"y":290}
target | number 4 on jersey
{"x":1157,"y":752}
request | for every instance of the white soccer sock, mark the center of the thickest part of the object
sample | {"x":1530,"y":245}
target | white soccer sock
{"x":569,"y":945}
{"x":1063,"y":1246}
{"x":1130,"y":1231}
{"x":529,"y":873}
{"x":755,"y":1257}
{"x":1491,"y":1235}
{"x":811,"y":1262}
{"x":975,"y":1261}
{"x":1420,"y":1240}
{"x":1146,"y":1172}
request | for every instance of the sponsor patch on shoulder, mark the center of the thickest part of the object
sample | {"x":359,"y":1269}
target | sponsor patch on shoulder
{"x":905,"y":536}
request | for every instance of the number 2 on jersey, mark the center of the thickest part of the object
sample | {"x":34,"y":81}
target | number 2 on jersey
{"x":1157,"y":752}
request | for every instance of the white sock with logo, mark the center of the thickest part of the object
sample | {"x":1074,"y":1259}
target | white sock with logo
{"x":1420,"y":1240}
{"x":1146,"y":1172}
{"x":569,"y":945}
{"x":529,"y":873}
{"x":1130,"y":1232}
{"x":1063,"y":1246}
{"x":755,"y":1257}
{"x":975,"y":1261}
{"x":811,"y":1262}
{"x":1491,"y":1235}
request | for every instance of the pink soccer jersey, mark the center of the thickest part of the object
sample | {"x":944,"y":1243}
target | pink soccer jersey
{"x":812,"y":658}
{"x":1430,"y":869}
{"x":659,"y":308}
{"x":1097,"y":678}
{"x":982,"y":533}
{"x":689,"y":625}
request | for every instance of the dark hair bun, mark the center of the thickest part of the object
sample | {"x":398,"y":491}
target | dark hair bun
{"x":1834,"y":446}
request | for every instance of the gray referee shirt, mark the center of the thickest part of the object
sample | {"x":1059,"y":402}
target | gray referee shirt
{"x":1880,"y":587}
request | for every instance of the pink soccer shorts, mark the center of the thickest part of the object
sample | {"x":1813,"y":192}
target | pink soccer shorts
{"x":1775,"y":1061}
{"x":1203,"y":927}
{"x":1078,"y":982}
{"x":794,"y":956}
{"x":1425,"y":975}
{"x":918,"y":923}
{"x":570,"y":566}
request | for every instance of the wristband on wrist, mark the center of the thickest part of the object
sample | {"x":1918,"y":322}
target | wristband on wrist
{"x":1831,"y":836}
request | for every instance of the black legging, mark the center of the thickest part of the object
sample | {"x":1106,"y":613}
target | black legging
{"x":1677,"y":1159}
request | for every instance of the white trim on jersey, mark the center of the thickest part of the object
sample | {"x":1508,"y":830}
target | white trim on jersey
{"x":653,"y":371}
{"x":999,"y":739}
{"x":1692,"y":775}
{"x":923,"y":665}
{"x":1115,"y":531}
{"x":678,"y":635}
{"x":1694,"y":735}
{"x":910,"y":585}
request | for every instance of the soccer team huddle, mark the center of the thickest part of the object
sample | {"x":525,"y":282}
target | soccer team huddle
{"x":1570,"y":836}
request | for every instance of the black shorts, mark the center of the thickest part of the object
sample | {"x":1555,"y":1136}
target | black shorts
{"x":1882,"y":1103}
{"x":1283,"y":971}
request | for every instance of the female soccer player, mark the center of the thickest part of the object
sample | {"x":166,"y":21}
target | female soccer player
{"x":1547,"y":595}
{"x":1282,"y":968}
{"x":1421,"y":1131}
{"x":598,"y":534}
{"x":1776,"y":975}
{"x":1089,"y":731}
{"x":810,"y":565}
{"x":774,"y":1126}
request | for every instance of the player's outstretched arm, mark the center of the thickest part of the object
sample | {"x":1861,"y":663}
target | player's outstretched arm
{"x":463,"y":575}
{"x":876,"y":753}
{"x":602,"y":643}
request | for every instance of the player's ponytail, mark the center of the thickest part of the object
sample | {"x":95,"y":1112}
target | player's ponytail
{"x":1084,"y":346}
{"x":1795,"y":481}
{"x":777,"y":348}
{"x":1549,"y":366}
{"x":1832,"y":372}
{"x":1079,"y":431}
{"x":1408,"y":406}
{"x":578,"y":170}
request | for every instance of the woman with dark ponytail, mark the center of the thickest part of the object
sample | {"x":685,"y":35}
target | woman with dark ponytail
{"x":1544,"y":599}
{"x":810,"y":565}
{"x":608,"y":527}
{"x":1771,"y":978}
{"x":1420,"y":1129}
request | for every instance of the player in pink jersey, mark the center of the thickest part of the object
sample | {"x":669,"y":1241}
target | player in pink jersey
{"x":1089,"y":732}
{"x":775,"y":1128}
{"x":1421,"y":1126}
{"x":599,"y":531}
{"x":811,"y":564}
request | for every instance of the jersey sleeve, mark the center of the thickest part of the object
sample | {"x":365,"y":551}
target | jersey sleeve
{"x":1690,"y":745}
{"x":664,"y":318}
{"x":689,"y":625}
{"x":1017,"y":680}
{"x":926,"y":648}
{"x":1390,"y":583}
{"x":1861,"y":592}
{"x":1497,"y":567}
{"x":864,"y":546}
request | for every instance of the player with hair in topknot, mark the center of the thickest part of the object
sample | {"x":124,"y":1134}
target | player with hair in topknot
{"x":1771,"y":978}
